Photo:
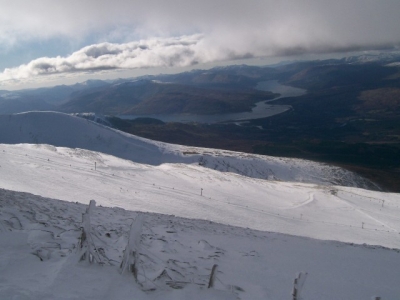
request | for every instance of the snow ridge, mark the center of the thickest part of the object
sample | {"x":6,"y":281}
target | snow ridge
{"x":64,"y":130}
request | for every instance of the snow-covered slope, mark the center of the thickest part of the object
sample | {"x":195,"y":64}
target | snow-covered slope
{"x":341,"y":236}
{"x":69,"y":131}
{"x":39,"y":258}
{"x":323,"y":212}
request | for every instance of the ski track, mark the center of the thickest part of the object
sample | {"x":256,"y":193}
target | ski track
{"x":364,"y":212}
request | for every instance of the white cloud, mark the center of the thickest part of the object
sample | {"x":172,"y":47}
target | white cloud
{"x":190,"y":31}
{"x":163,"y":52}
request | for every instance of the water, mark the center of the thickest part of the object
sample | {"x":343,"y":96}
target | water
{"x":275,"y":87}
{"x":262,"y":109}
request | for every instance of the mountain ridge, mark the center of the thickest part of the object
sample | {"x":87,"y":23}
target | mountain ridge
{"x":64,"y":130}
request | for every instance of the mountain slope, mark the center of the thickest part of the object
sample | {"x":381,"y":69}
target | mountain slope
{"x":323,"y":212}
{"x":151,"y":97}
{"x":40,"y":237}
{"x":69,"y":131}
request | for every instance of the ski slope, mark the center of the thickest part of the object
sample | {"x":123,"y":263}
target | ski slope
{"x":191,"y":191}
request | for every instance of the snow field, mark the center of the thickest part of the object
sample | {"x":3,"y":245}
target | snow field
{"x":323,"y":212}
{"x":69,"y":131}
{"x":39,"y":239}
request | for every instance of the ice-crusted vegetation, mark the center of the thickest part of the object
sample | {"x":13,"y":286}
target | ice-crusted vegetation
{"x":41,"y":257}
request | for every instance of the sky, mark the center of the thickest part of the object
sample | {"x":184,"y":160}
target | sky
{"x":45,"y":41}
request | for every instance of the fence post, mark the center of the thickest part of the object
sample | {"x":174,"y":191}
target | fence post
{"x":130,"y":260}
{"x":212,"y":276}
{"x":87,"y":248}
{"x":298,"y":285}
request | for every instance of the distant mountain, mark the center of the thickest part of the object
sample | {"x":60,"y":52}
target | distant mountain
{"x":381,"y":57}
{"x":218,"y":90}
{"x":324,"y":76}
{"x":42,"y":99}
{"x":16,"y":104}
{"x":235,"y":77}
{"x":60,"y":93}
{"x":153,"y":97}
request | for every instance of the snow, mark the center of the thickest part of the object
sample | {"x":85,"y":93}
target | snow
{"x":37,"y":259}
{"x":64,"y":130}
{"x":259,"y":232}
{"x":323,"y":212}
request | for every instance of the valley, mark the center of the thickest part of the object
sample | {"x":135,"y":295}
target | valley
{"x":349,"y":116}
{"x":335,"y":122}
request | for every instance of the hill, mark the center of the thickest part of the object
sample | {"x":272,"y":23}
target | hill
{"x":189,"y":190}
{"x":141,"y":97}
{"x":69,"y":131}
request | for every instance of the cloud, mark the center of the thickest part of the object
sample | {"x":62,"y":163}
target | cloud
{"x":121,"y":34}
{"x":163,"y":52}
{"x":73,"y":18}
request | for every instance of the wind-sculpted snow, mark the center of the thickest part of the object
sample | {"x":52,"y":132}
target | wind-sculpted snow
{"x":64,"y":130}
{"x":40,"y":238}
